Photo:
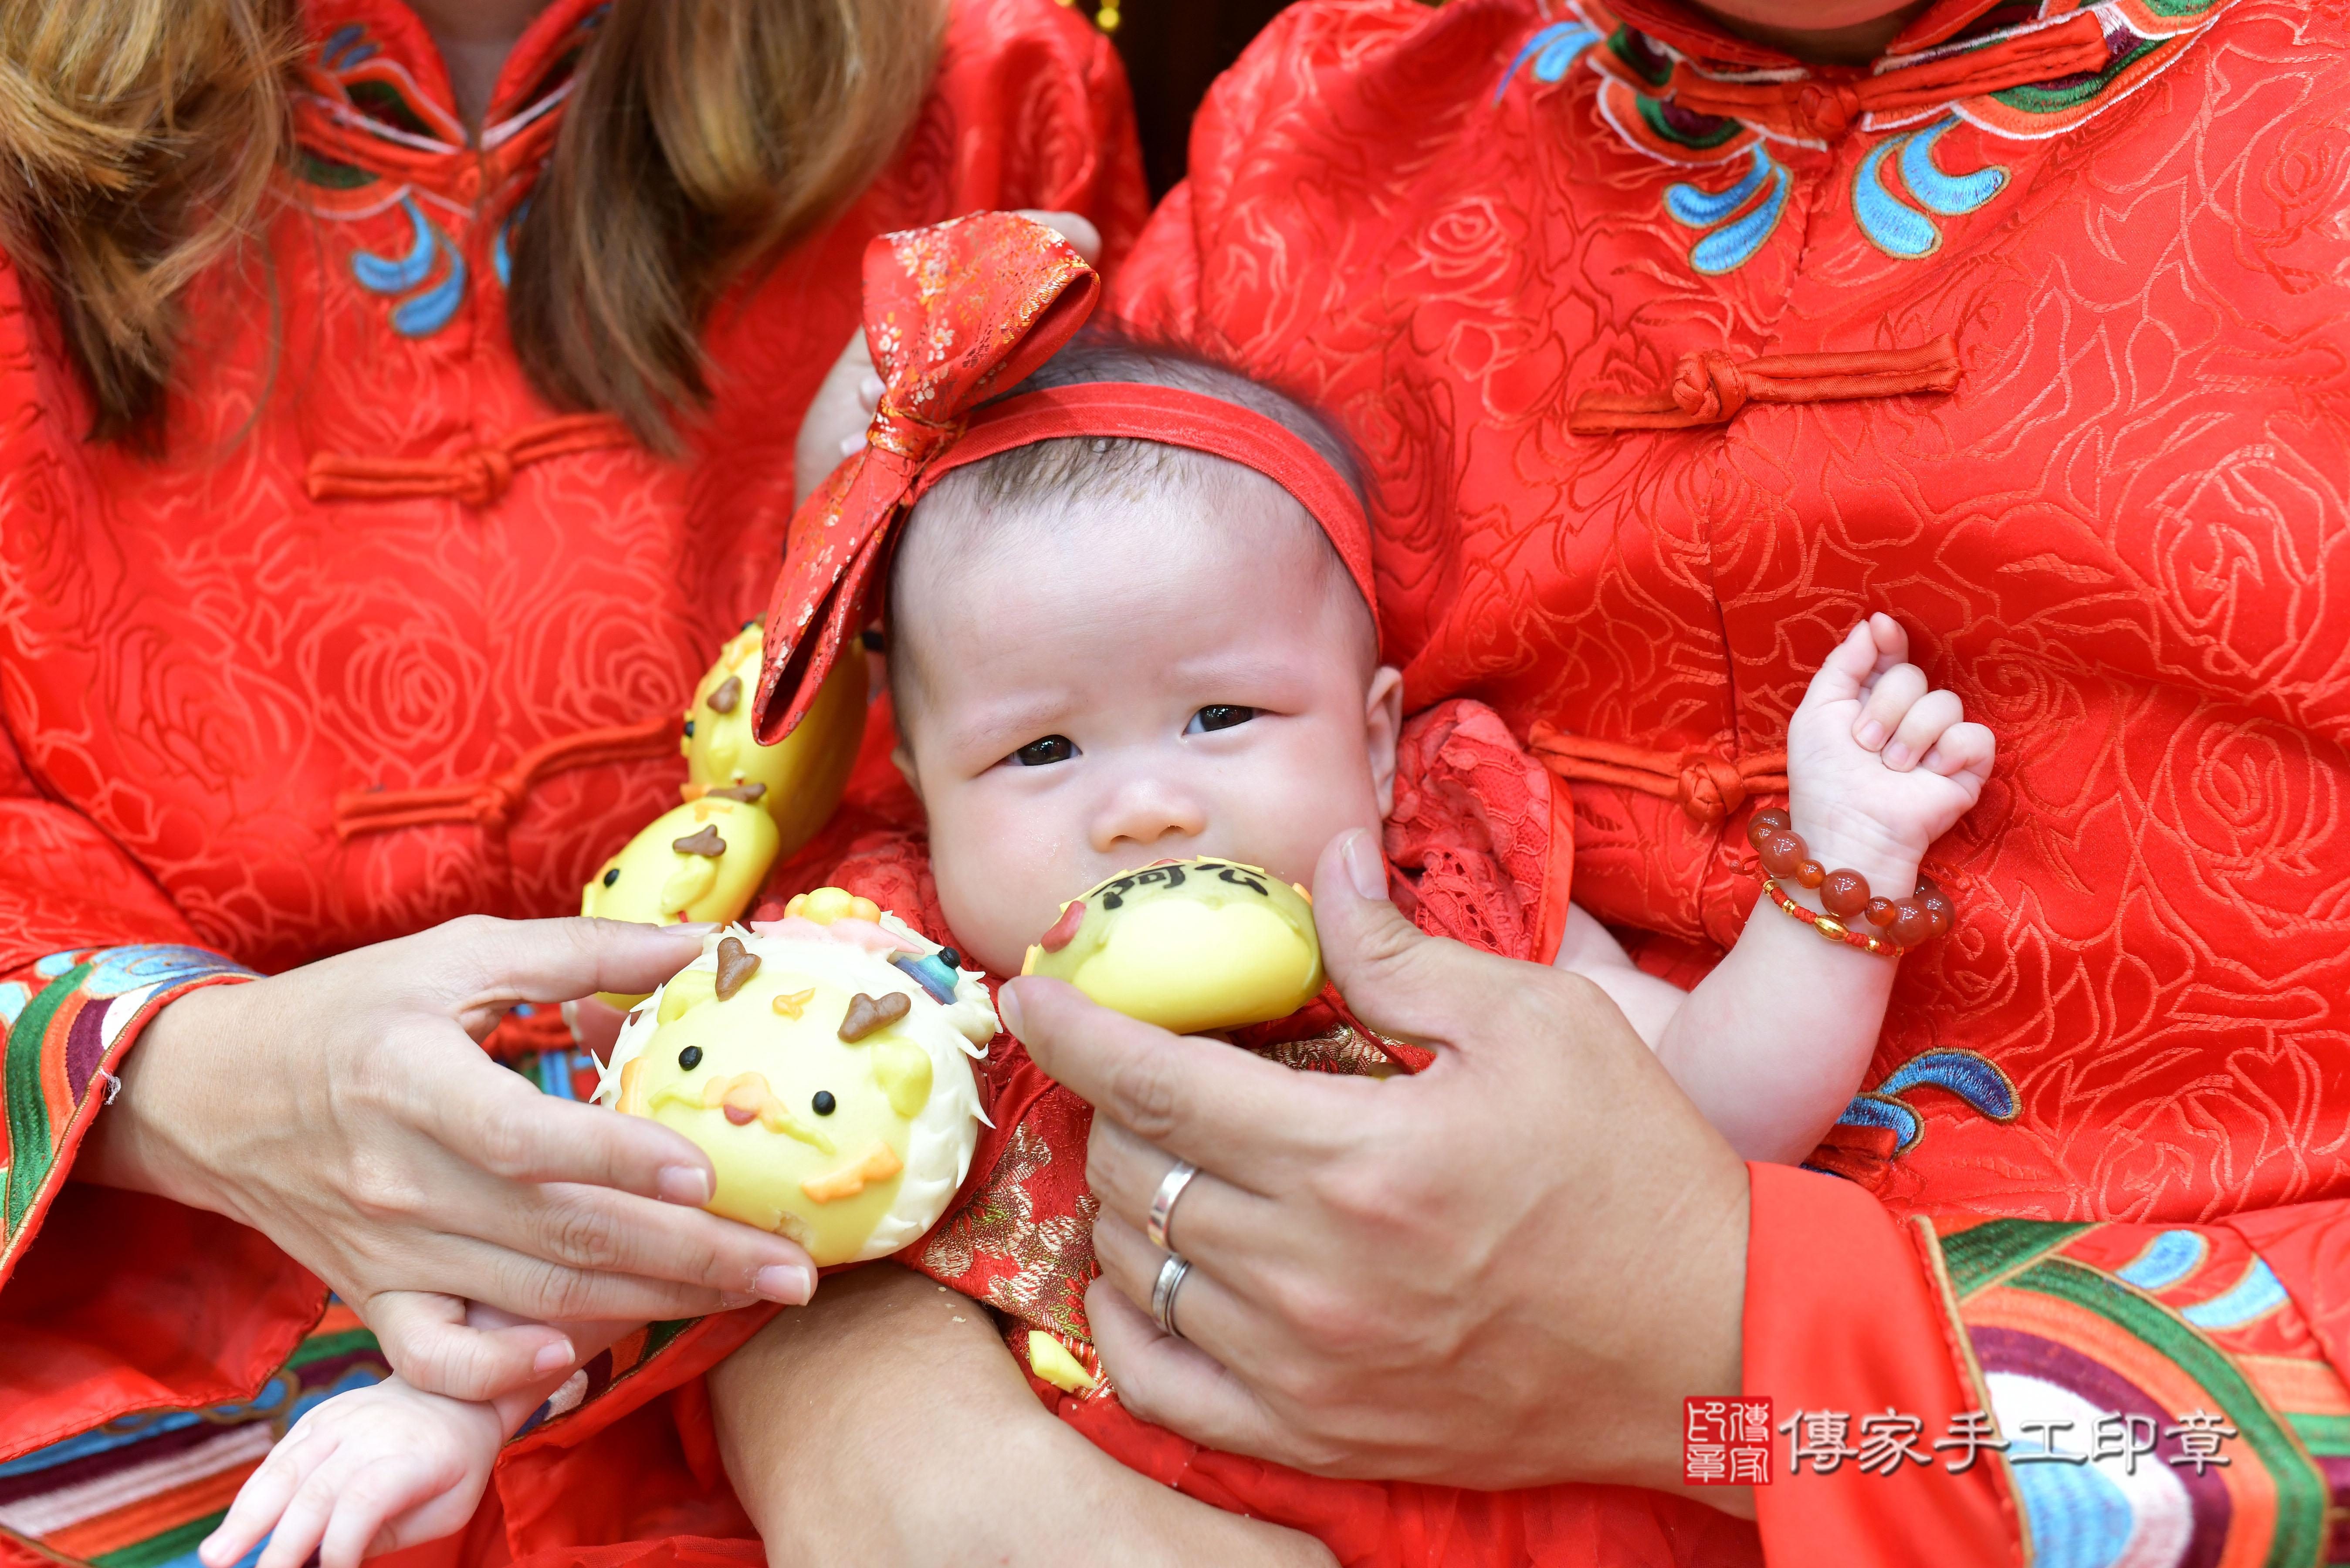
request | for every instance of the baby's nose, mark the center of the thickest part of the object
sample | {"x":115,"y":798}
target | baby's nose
{"x":1144,"y":811}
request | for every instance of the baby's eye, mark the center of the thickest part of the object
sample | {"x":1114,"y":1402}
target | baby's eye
{"x":1051,"y":749}
{"x":1218,"y":716}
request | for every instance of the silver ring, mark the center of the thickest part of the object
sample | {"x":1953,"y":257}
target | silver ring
{"x":1162,"y":1292}
{"x":1162,"y":1202}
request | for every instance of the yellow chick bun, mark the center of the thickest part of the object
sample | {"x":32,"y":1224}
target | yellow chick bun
{"x":1189,"y":945}
{"x":703,"y":861}
{"x":797,"y":781}
{"x":825,"y":1066}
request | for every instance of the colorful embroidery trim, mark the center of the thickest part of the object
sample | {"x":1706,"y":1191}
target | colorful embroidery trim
{"x":1899,"y":189}
{"x":61,"y":1042}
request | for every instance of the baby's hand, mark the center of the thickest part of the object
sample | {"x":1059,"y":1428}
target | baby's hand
{"x":365,"y":1473}
{"x":1879,"y":766}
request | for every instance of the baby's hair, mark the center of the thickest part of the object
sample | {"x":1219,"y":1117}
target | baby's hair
{"x":1014,"y":495}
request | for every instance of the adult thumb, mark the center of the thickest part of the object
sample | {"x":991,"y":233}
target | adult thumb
{"x":1396,"y":978}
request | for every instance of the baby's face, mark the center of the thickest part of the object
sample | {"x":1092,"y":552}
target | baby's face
{"x":1143,"y":682}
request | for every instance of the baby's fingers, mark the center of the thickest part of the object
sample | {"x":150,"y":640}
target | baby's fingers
{"x":305,"y":1520}
{"x":1847,"y":669}
{"x":1887,"y":705}
{"x":1963,"y":753}
{"x":368,"y":1500}
{"x":1920,"y":727}
{"x":264,"y":1496}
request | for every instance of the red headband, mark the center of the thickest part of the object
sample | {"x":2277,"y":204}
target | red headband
{"x":956,"y":313}
{"x":1175,"y":416}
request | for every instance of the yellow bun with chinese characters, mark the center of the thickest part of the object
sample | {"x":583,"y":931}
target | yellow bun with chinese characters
{"x":819,"y":1067}
{"x":1189,"y":945}
{"x":797,"y":781}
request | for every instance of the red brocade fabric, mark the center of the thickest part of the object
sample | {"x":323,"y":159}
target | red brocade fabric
{"x":375,"y":559}
{"x":2120,"y":536}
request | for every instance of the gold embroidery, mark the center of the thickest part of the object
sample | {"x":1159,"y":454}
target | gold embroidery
{"x":1052,"y":1258}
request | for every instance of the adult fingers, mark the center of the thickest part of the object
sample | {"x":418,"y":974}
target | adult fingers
{"x":1248,"y":1120}
{"x":1920,"y":728}
{"x":1218,"y":1219}
{"x":497,"y":1122}
{"x":489,"y":963}
{"x":1083,"y":237}
{"x":595,"y":1228}
{"x":425,"y":1338}
{"x":1396,"y":978}
{"x":1847,"y":669}
{"x":1166,"y":1380}
{"x":1882,"y":710}
{"x":1964,"y":753}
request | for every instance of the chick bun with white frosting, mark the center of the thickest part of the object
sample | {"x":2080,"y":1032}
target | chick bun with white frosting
{"x":823,"y":1062}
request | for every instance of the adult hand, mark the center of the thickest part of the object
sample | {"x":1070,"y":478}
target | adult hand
{"x":834,"y":425}
{"x":345,"y":1111}
{"x":1507,"y":1271}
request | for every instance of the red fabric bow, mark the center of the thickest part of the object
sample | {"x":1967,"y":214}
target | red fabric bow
{"x":955,"y":313}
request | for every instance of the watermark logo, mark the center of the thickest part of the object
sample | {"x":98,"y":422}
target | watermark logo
{"x":1726,"y":1442}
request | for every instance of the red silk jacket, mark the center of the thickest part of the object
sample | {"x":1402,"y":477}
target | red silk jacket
{"x":2101,"y":1169}
{"x":385,"y":640}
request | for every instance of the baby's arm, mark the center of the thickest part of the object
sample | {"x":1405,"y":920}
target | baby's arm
{"x":1773,"y":1045}
{"x":885,"y":1422}
{"x":384,"y":1467}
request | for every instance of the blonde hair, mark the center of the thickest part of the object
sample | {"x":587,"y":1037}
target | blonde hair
{"x":143,"y":137}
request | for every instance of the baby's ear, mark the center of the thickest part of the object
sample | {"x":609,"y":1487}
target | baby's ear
{"x":1382,"y":723}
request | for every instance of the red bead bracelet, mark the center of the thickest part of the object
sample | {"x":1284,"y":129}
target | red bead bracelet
{"x":1904,"y":923}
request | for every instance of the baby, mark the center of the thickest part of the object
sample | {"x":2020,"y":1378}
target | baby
{"x":1104,"y":651}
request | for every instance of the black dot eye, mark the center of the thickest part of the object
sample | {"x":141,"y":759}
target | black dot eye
{"x":612,"y":875}
{"x":950,"y":957}
{"x":1218,"y":716}
{"x":824,"y":1104}
{"x":689,"y":728}
{"x":690,"y":1058}
{"x":1041,"y":754}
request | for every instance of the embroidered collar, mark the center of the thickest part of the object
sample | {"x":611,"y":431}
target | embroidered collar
{"x":374,"y":103}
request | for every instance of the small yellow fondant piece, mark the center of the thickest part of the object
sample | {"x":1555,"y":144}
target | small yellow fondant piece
{"x":749,"y":1097}
{"x":689,"y":884}
{"x":792,"y":1003}
{"x":633,"y":1082}
{"x":1191,"y":946}
{"x":825,"y":905}
{"x":1049,"y":1359}
{"x":806,"y":772}
{"x":879,"y":1165}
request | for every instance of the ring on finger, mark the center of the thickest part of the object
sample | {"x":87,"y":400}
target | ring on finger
{"x":1162,"y":1202}
{"x":1162,"y":1292}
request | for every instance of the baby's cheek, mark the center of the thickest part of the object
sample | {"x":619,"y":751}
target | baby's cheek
{"x":1001,"y":879}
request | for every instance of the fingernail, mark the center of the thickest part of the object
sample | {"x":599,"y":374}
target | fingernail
{"x":1870,"y":733}
{"x":1364,"y":866}
{"x":695,"y":929}
{"x":1007,"y":1008}
{"x":787,"y":1282}
{"x":688,"y":1184}
{"x":1896,"y":755}
{"x":552,"y":1357}
{"x":731,"y":1300}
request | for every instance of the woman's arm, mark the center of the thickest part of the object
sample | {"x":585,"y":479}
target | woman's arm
{"x":885,"y":1423}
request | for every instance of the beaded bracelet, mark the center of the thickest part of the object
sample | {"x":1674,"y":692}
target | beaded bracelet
{"x":1905,"y":922}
